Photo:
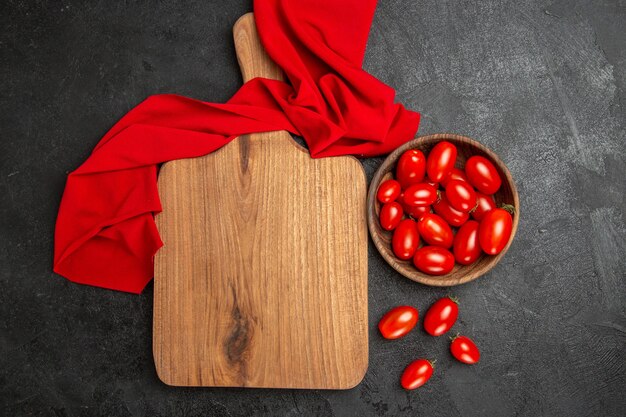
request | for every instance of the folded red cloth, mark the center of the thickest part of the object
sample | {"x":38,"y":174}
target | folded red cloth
{"x":105,"y":233}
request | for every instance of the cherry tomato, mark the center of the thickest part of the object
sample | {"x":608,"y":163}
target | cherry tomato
{"x":455,"y":174}
{"x":441,"y":316}
{"x":464,"y":350}
{"x":398,"y":321}
{"x":388,"y":191}
{"x":411,"y":167}
{"x":451,"y":215}
{"x":421,"y":194}
{"x":405,"y":239}
{"x":433,"y":260}
{"x":461,"y":195}
{"x":482,"y":174}
{"x":440,"y":161}
{"x":466,"y":247}
{"x":416,"y":211}
{"x":484,"y":203}
{"x":494,"y":231}
{"x":435,"y":231}
{"x":390,"y":215}
{"x":416,"y":374}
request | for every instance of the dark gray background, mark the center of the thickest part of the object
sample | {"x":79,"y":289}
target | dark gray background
{"x":541,"y":83}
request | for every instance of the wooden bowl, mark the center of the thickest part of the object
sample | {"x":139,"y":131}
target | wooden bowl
{"x":507,"y":194}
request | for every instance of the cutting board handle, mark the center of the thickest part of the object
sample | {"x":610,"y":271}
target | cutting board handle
{"x":253,"y":60}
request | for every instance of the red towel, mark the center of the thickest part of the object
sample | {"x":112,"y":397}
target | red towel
{"x":105,"y":233}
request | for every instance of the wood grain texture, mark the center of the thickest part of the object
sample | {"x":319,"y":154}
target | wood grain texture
{"x":262,"y":280}
{"x":466,"y":147}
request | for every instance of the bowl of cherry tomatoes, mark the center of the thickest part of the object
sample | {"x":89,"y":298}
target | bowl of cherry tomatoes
{"x":442,"y":209}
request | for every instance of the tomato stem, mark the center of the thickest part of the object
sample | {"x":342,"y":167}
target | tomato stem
{"x":509,"y":208}
{"x":454,"y":298}
{"x":474,"y":209}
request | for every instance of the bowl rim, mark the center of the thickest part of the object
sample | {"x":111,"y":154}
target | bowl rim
{"x":416,"y":275}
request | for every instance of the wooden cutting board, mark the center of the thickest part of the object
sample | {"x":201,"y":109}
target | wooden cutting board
{"x":262,"y":280}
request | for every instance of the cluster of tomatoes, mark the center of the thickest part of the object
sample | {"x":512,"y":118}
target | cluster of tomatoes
{"x":440,"y":317}
{"x":408,"y":200}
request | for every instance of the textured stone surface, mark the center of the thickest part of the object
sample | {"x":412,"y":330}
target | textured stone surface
{"x":542,"y":83}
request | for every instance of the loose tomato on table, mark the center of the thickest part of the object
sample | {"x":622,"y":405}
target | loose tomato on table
{"x":421,"y":194}
{"x":482,"y":174}
{"x":433,"y":260}
{"x":398,"y":321}
{"x":495,"y":230}
{"x":464,"y":350}
{"x":416,"y":374}
{"x":435,"y":231}
{"x":440,"y":161}
{"x":441,"y":316}
{"x":484,"y":203}
{"x":411,"y":168}
{"x":461,"y":195}
{"x":405,"y":239}
{"x":390,"y":215}
{"x":451,"y":215}
{"x":388,"y":191}
{"x":455,"y":174}
{"x":466,"y":247}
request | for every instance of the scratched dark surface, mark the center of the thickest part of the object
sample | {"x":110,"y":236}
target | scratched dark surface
{"x":542,"y":83}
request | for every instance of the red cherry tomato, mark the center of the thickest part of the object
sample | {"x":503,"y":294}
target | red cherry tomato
{"x":440,"y":161}
{"x":451,"y":215}
{"x":482,"y":174}
{"x":461,"y":195}
{"x":388,"y":191}
{"x":416,"y":374}
{"x":435,"y":231}
{"x":390,"y":215}
{"x":421,"y":194}
{"x":441,"y":316}
{"x":433,"y":260}
{"x":398,"y":321}
{"x":411,"y":168}
{"x":484,"y":203}
{"x":405,"y":239}
{"x":416,"y":211}
{"x":455,"y":174}
{"x":464,"y":350}
{"x":466,"y":247}
{"x":495,"y":230}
